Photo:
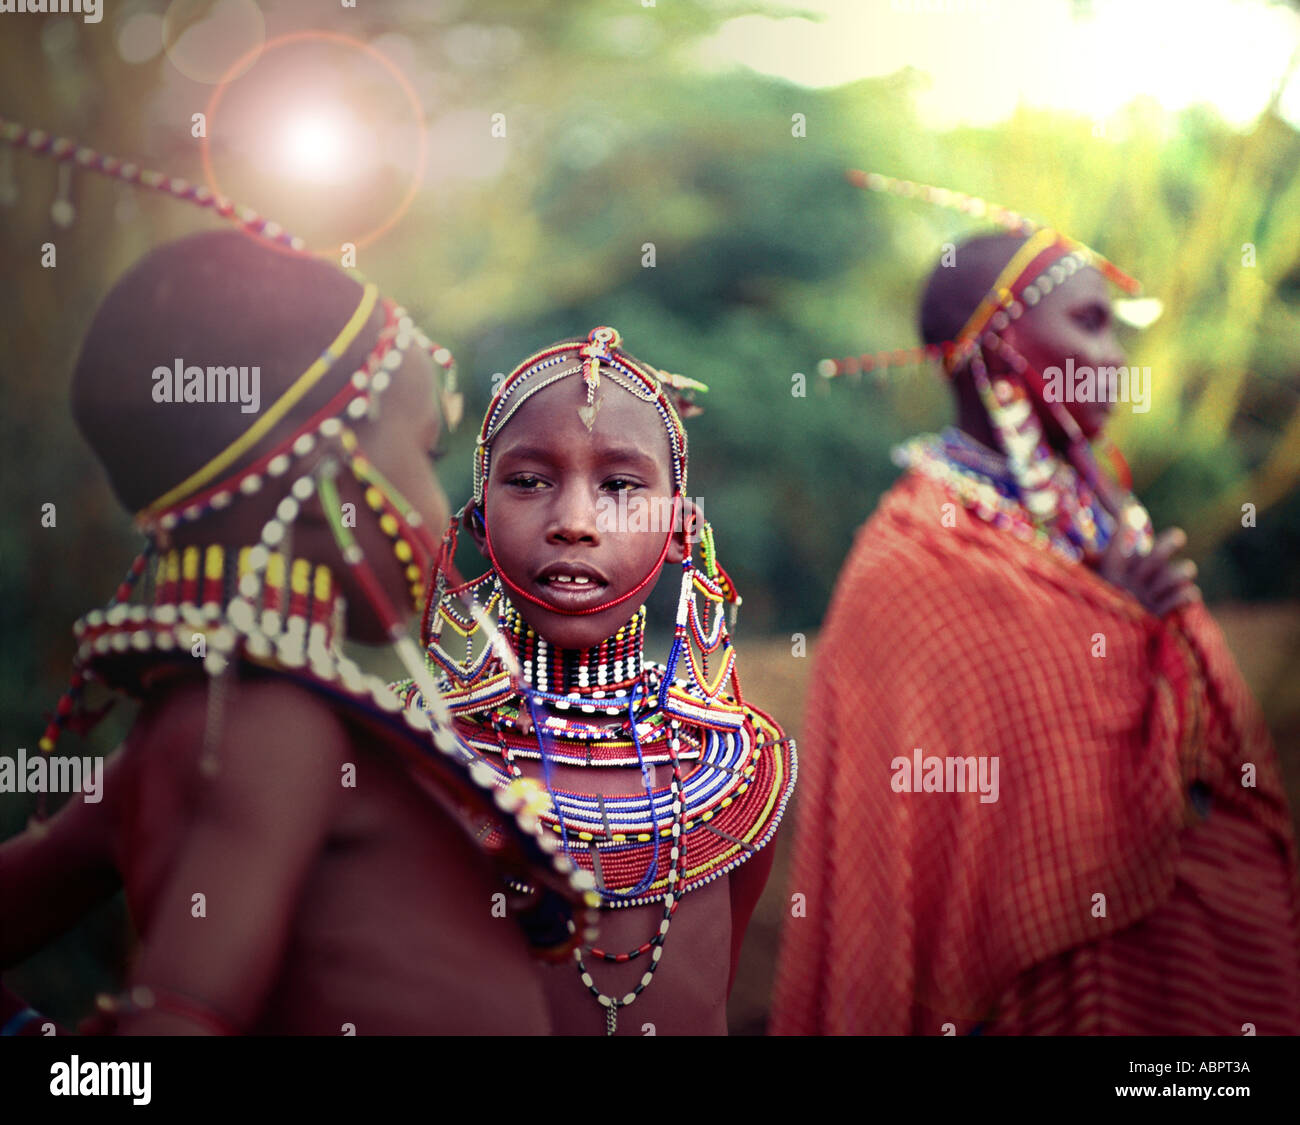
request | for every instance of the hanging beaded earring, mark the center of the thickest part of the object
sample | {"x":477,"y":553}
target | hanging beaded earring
{"x":701,"y":696}
{"x":1020,"y":433}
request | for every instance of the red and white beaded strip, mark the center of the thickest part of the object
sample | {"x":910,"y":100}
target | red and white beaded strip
{"x":65,"y":151}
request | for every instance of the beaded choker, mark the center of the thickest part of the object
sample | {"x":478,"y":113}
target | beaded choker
{"x":612,"y":666}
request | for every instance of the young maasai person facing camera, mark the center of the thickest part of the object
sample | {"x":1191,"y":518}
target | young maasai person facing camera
{"x":659,"y":778}
{"x":1039,"y":797}
{"x":297,"y":854}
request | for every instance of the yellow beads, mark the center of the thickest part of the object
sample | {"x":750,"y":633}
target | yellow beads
{"x":275,"y":570}
{"x":299,"y":575}
{"x":534,"y":797}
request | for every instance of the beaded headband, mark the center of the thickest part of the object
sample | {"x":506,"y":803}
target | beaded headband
{"x":1046,"y":260}
{"x":591,"y":359}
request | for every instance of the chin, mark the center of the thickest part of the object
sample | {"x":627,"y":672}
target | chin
{"x":572,"y":631}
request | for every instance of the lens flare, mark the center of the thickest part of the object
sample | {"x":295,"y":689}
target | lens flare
{"x":315,"y":146}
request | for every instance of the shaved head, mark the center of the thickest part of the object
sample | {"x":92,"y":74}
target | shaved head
{"x":954,"y":291}
{"x":215,"y":300}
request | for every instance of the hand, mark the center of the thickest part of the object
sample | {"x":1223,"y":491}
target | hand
{"x":1161,"y":583}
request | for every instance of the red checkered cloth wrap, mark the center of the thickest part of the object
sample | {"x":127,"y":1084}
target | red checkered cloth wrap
{"x":924,"y":909}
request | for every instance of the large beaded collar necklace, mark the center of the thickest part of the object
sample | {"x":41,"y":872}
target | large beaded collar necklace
{"x":515,"y":697}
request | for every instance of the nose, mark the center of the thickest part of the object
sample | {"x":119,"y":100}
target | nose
{"x":1110,"y":352}
{"x":573,"y":516}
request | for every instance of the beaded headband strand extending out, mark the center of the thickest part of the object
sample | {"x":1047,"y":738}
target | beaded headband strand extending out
{"x":1053,"y":256}
{"x":65,"y":151}
{"x":69,"y":153}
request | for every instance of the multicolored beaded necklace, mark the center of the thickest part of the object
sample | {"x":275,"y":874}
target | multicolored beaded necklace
{"x":644,"y":848}
{"x":984,"y":484}
{"x":664,"y":720}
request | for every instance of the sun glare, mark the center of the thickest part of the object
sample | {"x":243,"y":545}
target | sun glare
{"x":314,"y":145}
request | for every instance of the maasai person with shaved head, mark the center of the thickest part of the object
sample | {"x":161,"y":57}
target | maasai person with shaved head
{"x":299,"y":856}
{"x":1038,"y":797}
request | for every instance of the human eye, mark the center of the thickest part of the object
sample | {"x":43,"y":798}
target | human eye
{"x":621,"y":484}
{"x":526,"y":481}
{"x":1091,"y":318}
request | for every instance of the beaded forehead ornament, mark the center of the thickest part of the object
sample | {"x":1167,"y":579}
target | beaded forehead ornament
{"x":1046,"y":260}
{"x":600,"y":353}
{"x":266,"y":609}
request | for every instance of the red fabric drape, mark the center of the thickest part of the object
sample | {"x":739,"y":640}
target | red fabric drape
{"x":926,"y":908}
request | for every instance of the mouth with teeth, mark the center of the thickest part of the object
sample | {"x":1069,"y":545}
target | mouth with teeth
{"x":571,"y":584}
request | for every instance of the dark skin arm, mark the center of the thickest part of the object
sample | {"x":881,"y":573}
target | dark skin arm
{"x":250,"y":841}
{"x":70,"y":853}
{"x":747,"y":883}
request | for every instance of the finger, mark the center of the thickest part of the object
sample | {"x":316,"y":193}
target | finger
{"x":1164,"y":582}
{"x":1177,"y":599}
{"x":1167,"y":544}
{"x":1113,"y":561}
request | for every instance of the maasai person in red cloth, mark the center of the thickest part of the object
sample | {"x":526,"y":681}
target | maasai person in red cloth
{"x":297,"y":856}
{"x":1038,"y":797}
{"x":660,"y":779}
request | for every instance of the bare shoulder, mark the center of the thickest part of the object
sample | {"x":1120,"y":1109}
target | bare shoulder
{"x":247,"y":741}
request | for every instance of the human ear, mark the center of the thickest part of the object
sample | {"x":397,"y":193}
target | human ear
{"x":473,"y":522}
{"x":683,"y":539}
